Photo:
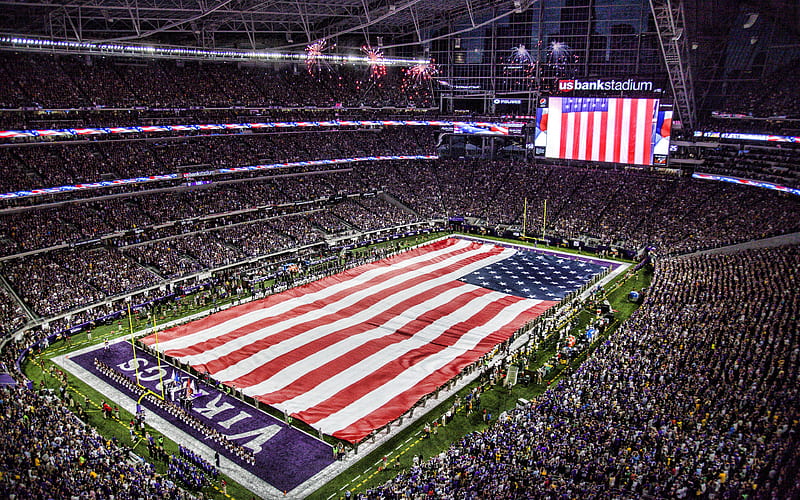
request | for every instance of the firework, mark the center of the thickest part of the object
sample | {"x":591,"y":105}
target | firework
{"x":422,"y":72}
{"x":520,"y":55}
{"x":314,"y":52}
{"x":559,"y":50}
{"x":377,"y":69}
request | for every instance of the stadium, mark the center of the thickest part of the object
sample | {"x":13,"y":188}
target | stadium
{"x":463,"y":249}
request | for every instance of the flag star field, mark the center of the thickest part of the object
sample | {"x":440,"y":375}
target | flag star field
{"x":535,"y":275}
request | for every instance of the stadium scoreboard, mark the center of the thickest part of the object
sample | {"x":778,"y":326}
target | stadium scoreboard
{"x":627,"y":130}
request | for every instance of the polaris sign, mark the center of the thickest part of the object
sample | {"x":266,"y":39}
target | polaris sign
{"x":604,"y":85}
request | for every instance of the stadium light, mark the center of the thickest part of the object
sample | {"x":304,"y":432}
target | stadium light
{"x":111,"y":49}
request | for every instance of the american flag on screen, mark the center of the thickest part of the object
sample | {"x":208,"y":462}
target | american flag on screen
{"x":618,"y":130}
{"x":352,"y":352}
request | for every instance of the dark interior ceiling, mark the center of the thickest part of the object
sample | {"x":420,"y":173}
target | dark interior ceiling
{"x":292,"y":24}
{"x":224,"y":23}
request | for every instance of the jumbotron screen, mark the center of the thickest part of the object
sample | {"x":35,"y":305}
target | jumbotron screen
{"x":616,"y":130}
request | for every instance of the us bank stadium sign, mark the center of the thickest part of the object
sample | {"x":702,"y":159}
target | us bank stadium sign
{"x":606,"y":85}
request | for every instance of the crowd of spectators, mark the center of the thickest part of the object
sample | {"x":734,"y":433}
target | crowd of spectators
{"x":175,"y":233}
{"x":630,"y":209}
{"x":256,"y":238}
{"x":49,"y":81}
{"x":774,"y":95}
{"x":12,"y":316}
{"x":299,"y":228}
{"x":41,"y":165}
{"x":772,"y":163}
{"x":695,"y":396}
{"x":49,"y":453}
{"x":328,"y":222}
{"x":105,"y":270}
{"x":47,"y":287}
{"x":164,"y":257}
{"x":372,"y":213}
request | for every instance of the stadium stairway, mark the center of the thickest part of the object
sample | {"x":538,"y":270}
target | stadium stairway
{"x":394,"y":201}
{"x":28,"y":312}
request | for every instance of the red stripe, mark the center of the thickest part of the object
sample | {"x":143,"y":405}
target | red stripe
{"x":391,"y":411}
{"x":634,"y":137}
{"x":334,"y":366}
{"x":395,"y":367}
{"x":603,"y":133}
{"x":256,"y":346}
{"x":565,"y":131}
{"x":234,"y":312}
{"x":649,"y":135}
{"x":576,"y":136}
{"x":617,"y":131}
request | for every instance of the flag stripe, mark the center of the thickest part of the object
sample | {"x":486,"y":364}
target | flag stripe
{"x":227,"y":321}
{"x":351,"y":349}
{"x":337,"y":300}
{"x":633,"y":116}
{"x":620,"y":137}
{"x":566,"y":135}
{"x":265,"y":344}
{"x":579,"y":147}
{"x":601,"y":139}
{"x":394,"y":359}
{"x":410,"y":379}
{"x":384,"y":414}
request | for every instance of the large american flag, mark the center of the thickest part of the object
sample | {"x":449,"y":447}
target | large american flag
{"x":352,"y":352}
{"x":618,"y":130}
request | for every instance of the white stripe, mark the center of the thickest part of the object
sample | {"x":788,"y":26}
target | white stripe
{"x":624,"y":143}
{"x":366,"y":367}
{"x":412,"y":376}
{"x":571,"y":135}
{"x":287,"y":305}
{"x":597,"y":135}
{"x":583,"y":131}
{"x":248,"y":364}
{"x":297,"y":370}
{"x":610,"y":129}
{"x":643,"y":131}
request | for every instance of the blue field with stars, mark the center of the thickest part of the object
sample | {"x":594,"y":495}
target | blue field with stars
{"x":535,"y":275}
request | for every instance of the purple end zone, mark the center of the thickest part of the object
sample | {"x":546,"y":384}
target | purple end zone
{"x":285,"y":460}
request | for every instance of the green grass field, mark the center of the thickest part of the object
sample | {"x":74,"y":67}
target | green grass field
{"x":367,"y":472}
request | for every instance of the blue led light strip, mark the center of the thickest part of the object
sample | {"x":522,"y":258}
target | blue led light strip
{"x":746,"y":182}
{"x":488,"y":128}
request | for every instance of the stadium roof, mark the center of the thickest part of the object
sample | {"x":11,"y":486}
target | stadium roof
{"x":247,"y":24}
